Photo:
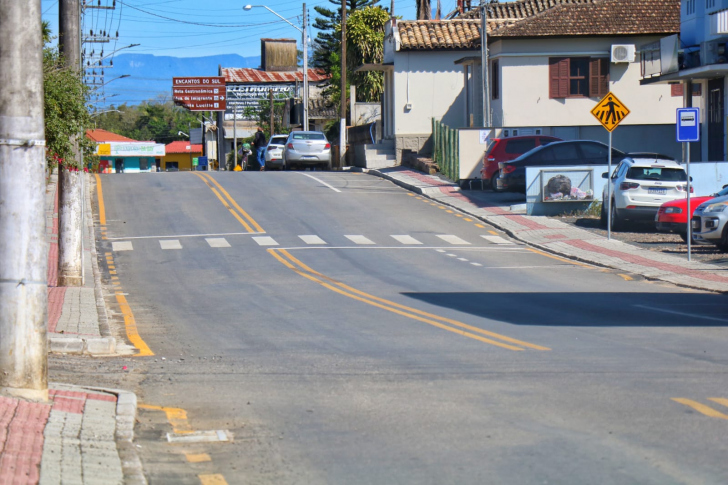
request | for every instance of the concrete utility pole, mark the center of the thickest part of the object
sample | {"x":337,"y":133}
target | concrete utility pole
{"x":342,"y":122}
{"x":23,"y":247}
{"x":304,"y":34}
{"x":272,"y":114}
{"x":70,"y":183}
{"x":484,"y":62}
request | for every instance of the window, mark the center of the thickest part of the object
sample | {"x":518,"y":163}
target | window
{"x":592,"y":150}
{"x":709,"y":4}
{"x":657,"y":173}
{"x":520,"y":146}
{"x":571,"y":77}
{"x":495,"y":80}
{"x":678,"y":89}
{"x":308,"y":136}
{"x":689,"y":7}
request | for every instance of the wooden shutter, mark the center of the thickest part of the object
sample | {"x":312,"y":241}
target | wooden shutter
{"x":598,"y":77}
{"x":558,"y":77}
{"x":676,"y":89}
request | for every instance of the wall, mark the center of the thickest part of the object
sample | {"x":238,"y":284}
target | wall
{"x":183,"y":160}
{"x":471,"y":152}
{"x":525,"y":101}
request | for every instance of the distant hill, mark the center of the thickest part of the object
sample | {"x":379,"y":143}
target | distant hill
{"x":152,"y":75}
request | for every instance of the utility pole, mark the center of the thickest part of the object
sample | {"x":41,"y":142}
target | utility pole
{"x":272,"y":113}
{"x":342,"y":122}
{"x":23,"y":247}
{"x":484,"y":62}
{"x":304,"y":33}
{"x":70,"y":183}
{"x":235,"y":138}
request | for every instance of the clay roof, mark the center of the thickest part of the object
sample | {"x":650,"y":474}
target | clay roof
{"x":602,"y":17}
{"x":181,"y":147}
{"x":100,"y":136}
{"x":322,"y":109}
{"x":542,"y":18}
{"x":250,"y":75}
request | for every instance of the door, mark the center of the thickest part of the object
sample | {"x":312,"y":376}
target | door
{"x":716,"y":125}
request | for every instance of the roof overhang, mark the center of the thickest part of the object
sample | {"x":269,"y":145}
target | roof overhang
{"x":375,"y":67}
{"x":695,"y":74}
{"x":468,"y":61}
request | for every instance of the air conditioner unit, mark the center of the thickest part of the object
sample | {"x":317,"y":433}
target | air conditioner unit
{"x":623,"y":53}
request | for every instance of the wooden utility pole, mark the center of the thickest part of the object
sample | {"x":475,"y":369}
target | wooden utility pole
{"x":272,"y":113}
{"x":70,"y":182}
{"x":23,"y":246}
{"x":342,"y":121}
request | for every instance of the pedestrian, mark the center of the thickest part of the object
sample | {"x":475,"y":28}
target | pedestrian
{"x":259,"y":142}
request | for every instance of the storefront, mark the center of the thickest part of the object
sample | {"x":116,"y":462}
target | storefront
{"x":129,"y":157}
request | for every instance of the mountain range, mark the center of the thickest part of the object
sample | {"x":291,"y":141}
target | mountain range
{"x":151,"y":76}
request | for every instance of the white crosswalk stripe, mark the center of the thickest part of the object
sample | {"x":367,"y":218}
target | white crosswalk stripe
{"x":496,"y":240}
{"x":311,"y":239}
{"x":449,"y":238}
{"x":122,"y":246}
{"x":359,"y":240}
{"x":404,"y":239}
{"x":265,"y":241}
{"x":170,"y":244}
{"x":217,"y":242}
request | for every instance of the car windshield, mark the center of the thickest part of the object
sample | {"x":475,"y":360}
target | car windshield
{"x":663,"y":174}
{"x":278,"y":140}
{"x":723,"y":192}
{"x":528,"y":153}
{"x":308,"y":136}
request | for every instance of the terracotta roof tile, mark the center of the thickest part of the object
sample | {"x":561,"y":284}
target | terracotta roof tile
{"x":250,"y":75}
{"x":105,"y":136}
{"x":518,"y":10}
{"x":441,"y":34}
{"x":180,"y":146}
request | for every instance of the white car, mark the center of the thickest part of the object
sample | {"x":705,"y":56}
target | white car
{"x":709,"y":223}
{"x":274,"y":152}
{"x":641,"y":183}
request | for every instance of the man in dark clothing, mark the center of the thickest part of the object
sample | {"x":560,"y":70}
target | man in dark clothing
{"x":260,"y":143}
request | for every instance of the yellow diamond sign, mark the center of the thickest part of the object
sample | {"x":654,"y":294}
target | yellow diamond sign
{"x":610,"y":111}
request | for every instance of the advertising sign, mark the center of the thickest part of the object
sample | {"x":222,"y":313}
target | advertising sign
{"x":130,"y":149}
{"x":242,"y":96}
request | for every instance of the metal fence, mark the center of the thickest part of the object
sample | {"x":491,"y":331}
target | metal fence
{"x":446,"y":153}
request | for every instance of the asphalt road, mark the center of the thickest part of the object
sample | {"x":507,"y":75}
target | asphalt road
{"x":343,"y":330}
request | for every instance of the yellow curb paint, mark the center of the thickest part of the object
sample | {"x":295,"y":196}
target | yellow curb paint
{"x":177,"y":417}
{"x":467,"y":219}
{"x":114,"y":277}
{"x":449,"y":211}
{"x":440,"y":206}
{"x":701,"y":408}
{"x":112,"y":272}
{"x":108,"y":254}
{"x":197,"y":457}
{"x":215,"y":479}
{"x":458,"y":215}
{"x":625,"y":277}
{"x":493,"y":233}
{"x":576,"y":263}
{"x":100,"y":195}
{"x":131,"y":329}
{"x":411,"y":195}
{"x":480,"y":226}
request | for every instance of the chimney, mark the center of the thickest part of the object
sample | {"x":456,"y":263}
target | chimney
{"x":278,"y":55}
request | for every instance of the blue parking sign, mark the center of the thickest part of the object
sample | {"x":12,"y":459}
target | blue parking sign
{"x":688,"y":124}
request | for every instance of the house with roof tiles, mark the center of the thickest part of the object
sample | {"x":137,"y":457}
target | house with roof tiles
{"x":179,"y":156}
{"x":119,"y":154}
{"x":550,"y":62}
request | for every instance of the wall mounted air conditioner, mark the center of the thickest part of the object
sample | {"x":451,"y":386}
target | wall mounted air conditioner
{"x":623,"y":53}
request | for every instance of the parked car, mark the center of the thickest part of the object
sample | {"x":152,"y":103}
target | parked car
{"x":307,"y":148}
{"x":709,"y":222}
{"x":512,"y":175}
{"x":672,"y":216}
{"x":641,"y":183}
{"x":506,"y":149}
{"x":274,"y":151}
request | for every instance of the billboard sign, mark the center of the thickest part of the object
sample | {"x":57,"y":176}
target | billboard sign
{"x":242,"y":96}
{"x":130,"y":149}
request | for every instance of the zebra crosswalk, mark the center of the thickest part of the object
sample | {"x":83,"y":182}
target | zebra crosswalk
{"x":348,"y":240}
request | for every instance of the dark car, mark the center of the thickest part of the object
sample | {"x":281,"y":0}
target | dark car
{"x":507,"y":149}
{"x":557,"y":154}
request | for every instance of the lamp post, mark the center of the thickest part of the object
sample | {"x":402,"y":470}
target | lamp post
{"x":304,"y":41}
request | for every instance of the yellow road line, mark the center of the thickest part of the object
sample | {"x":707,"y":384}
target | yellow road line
{"x":131,"y":329}
{"x":467,"y":219}
{"x":701,"y":408}
{"x":235,"y":204}
{"x":399,"y":309}
{"x":213,"y":479}
{"x":227,"y":206}
{"x":177,"y":417}
{"x":480,"y":226}
{"x":100,"y":194}
{"x":197,"y":457}
{"x":493,"y":233}
{"x":625,"y":277}
{"x":542,"y":253}
{"x":720,"y":400}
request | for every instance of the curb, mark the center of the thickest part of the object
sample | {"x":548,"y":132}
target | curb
{"x":443,"y":200}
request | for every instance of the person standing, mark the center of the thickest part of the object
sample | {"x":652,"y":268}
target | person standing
{"x":259,"y":142}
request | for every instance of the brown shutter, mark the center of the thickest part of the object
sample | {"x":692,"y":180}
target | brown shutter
{"x":558,"y":77}
{"x":604,"y":77}
{"x":598,"y":77}
{"x":553,"y":78}
{"x":676,"y":89}
{"x":564,"y":78}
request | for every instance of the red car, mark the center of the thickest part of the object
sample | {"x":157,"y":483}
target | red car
{"x":672,"y":216}
{"x":507,"y":149}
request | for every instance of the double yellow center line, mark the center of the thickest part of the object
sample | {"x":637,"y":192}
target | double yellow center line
{"x":248,"y":222}
{"x":443,"y":323}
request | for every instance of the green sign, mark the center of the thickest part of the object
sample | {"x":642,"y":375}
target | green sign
{"x":194,"y":162}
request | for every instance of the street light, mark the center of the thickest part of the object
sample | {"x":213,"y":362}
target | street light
{"x":304,"y":41}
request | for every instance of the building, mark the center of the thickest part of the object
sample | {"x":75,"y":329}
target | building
{"x":120,"y":154}
{"x":179,"y":156}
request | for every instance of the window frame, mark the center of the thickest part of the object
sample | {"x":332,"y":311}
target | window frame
{"x":495,"y":80}
{"x":560,"y":77}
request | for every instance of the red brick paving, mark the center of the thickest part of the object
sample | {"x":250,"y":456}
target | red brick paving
{"x":56,"y":297}
{"x":22,"y":424}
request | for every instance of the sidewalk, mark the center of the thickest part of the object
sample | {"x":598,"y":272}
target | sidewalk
{"x":82,"y":435}
{"x":562,"y":239}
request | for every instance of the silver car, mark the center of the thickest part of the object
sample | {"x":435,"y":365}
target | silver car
{"x":274,"y":151}
{"x":709,"y":222}
{"x":307,"y":149}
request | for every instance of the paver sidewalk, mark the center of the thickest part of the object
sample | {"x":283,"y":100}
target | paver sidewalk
{"x":563,"y":239}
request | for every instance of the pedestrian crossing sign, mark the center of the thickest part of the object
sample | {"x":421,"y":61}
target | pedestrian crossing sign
{"x":610,"y":111}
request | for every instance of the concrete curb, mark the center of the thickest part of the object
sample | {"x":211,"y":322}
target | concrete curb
{"x":436,"y":194}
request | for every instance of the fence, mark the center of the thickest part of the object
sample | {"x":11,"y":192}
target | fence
{"x":445,"y":150}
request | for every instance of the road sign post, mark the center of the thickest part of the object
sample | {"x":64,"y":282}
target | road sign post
{"x":610,"y":112}
{"x":687,"y":129}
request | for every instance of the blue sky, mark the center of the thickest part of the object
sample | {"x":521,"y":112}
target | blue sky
{"x":194,"y":28}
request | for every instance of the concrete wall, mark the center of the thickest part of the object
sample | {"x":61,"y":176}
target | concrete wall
{"x":524,"y":69}
{"x":471,"y":152}
{"x":183,"y":160}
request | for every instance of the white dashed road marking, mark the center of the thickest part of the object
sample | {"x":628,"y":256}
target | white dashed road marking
{"x":496,"y":240}
{"x":265,"y":241}
{"x":406,"y":239}
{"x":217,"y":242}
{"x":359,"y":240}
{"x":170,"y":244}
{"x":122,"y":246}
{"x":449,"y":238}
{"x":310,"y":239}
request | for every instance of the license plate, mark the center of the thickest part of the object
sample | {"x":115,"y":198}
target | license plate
{"x":657,"y":191}
{"x":308,"y":158}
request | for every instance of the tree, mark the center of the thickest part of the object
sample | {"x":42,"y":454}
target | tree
{"x":365,"y":45}
{"x":424,"y":11}
{"x":261,"y":114}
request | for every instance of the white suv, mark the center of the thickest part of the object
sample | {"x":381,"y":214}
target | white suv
{"x":641,"y":183}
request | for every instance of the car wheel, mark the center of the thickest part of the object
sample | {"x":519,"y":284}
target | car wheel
{"x":723,"y":244}
{"x":684,"y":236}
{"x":617,"y":223}
{"x":494,"y":181}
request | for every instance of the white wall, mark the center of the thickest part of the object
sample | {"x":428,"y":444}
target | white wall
{"x":436,"y":90}
{"x":524,"y":66}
